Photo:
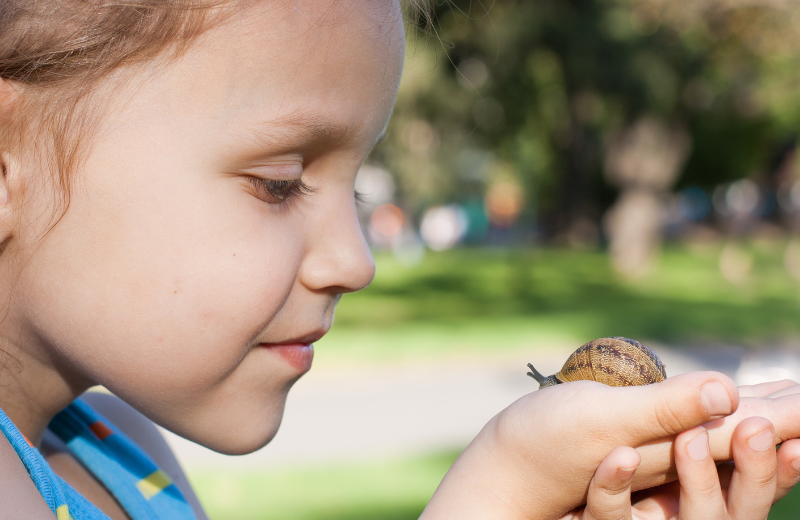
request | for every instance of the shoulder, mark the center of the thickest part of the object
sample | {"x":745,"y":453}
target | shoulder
{"x":145,"y":434}
{"x":19,"y":497}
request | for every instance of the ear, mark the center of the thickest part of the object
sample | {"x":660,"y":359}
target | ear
{"x":6,"y":214}
{"x":9,"y":102}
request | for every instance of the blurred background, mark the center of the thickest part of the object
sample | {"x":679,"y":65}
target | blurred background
{"x":555,"y":171}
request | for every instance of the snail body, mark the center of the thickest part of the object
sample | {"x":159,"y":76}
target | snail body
{"x":612,"y":361}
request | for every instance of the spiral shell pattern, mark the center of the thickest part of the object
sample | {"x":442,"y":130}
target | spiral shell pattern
{"x":614,"y":362}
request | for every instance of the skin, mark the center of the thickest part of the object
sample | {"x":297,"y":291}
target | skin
{"x":170,"y":267}
{"x":742,"y":490}
{"x":536,"y":458}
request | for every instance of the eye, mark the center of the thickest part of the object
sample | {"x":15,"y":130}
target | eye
{"x":360,"y":197}
{"x":278,"y":192}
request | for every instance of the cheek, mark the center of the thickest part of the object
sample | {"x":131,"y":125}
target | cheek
{"x":145,"y":287}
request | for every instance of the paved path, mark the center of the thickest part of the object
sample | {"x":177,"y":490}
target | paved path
{"x":337,"y":414}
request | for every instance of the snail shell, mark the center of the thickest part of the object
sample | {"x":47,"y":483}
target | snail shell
{"x":611,"y":361}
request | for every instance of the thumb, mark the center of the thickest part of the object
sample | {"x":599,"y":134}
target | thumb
{"x":675,"y":405}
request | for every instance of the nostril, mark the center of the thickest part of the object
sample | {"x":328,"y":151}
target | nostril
{"x":361,"y":270}
{"x":346,"y":266}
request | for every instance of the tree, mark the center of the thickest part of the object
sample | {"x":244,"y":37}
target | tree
{"x":543,"y":88}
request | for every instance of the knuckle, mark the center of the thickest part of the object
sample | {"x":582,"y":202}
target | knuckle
{"x":608,"y":512}
{"x":761,"y":479}
{"x":609,"y":503}
{"x":703,"y":488}
{"x":613,"y":490}
{"x":671,"y":417}
{"x":706,"y":490}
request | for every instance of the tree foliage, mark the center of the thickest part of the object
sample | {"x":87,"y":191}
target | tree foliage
{"x":537,"y":89}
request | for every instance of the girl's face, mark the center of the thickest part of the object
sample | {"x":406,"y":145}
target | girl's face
{"x":189,"y":247}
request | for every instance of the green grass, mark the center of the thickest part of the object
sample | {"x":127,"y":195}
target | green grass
{"x":383,"y":490}
{"x":484,"y":301}
{"x":380,"y":490}
{"x":788,"y":508}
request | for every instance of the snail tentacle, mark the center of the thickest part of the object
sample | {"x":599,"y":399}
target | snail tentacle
{"x":543,"y":381}
{"x":535,"y":374}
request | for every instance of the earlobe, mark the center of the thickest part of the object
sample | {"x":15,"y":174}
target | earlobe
{"x":9,"y":103}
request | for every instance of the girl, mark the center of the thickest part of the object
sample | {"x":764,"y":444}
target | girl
{"x":178,"y":223}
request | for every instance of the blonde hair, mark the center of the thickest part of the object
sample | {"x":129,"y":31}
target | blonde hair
{"x":55,"y":51}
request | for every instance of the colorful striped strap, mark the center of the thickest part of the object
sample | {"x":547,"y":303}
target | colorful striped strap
{"x":143,"y":490}
{"x":60,"y":497}
{"x":128,"y":473}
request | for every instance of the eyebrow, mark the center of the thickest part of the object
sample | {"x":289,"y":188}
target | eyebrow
{"x":299,"y":126}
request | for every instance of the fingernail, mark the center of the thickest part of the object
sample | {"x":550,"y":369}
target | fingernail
{"x":762,"y":441}
{"x":625,"y":473}
{"x":796,"y":464}
{"x":716,"y":399}
{"x":698,"y":447}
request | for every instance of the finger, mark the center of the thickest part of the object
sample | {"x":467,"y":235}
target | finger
{"x":609,"y":495}
{"x":673,"y":406}
{"x":700,"y":495}
{"x":789,"y":390}
{"x":788,"y":467}
{"x":764,"y":389}
{"x":783,"y":412}
{"x":665,"y":409}
{"x":754,"y":479}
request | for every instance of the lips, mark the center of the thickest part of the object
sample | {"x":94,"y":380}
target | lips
{"x":299,"y":355}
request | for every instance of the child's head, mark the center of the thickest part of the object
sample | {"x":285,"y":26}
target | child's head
{"x":211,"y":204}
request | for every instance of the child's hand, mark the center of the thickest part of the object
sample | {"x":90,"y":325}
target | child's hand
{"x":777,"y":401}
{"x":609,"y":496}
{"x":744,"y":490}
{"x":536,"y":458}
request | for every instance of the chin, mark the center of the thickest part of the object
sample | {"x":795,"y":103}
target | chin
{"x":242,"y":437}
{"x":231,"y":430}
{"x":240,"y":445}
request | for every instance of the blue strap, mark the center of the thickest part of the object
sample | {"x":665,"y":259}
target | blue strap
{"x":128,"y":473}
{"x":60,"y":497}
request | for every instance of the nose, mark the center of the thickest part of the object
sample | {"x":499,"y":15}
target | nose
{"x":337,"y":258}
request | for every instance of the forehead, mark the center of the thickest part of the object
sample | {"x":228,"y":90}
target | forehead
{"x":334,"y":62}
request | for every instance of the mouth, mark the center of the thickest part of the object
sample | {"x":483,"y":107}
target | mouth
{"x":298,"y":353}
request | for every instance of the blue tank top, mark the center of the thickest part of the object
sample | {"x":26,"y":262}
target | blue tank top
{"x":128,"y":473}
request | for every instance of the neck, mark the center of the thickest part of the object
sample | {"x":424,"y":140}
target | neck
{"x":32,"y":391}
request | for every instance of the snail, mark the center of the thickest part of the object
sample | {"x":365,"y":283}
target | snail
{"x":611,"y":361}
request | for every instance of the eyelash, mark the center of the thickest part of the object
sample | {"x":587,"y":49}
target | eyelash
{"x":279,"y":192}
{"x":282,"y":191}
{"x":360,"y":197}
